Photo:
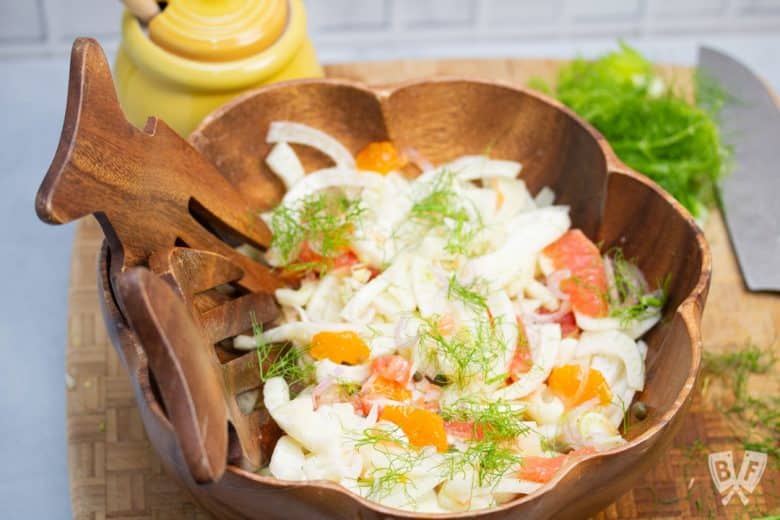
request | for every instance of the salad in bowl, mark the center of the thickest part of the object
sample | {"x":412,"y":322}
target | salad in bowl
{"x":448,"y":341}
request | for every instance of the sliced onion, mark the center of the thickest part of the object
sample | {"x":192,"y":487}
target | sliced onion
{"x":618,"y":344}
{"x":554,"y":283}
{"x":553,"y":317}
{"x":320,"y":389}
{"x":373,"y":415}
{"x":306,"y":135}
{"x":300,"y":333}
{"x":609,"y":269}
{"x":473,"y":167}
{"x":440,"y":275}
{"x":285,"y":164}
{"x":570,"y":431}
{"x":301,"y":313}
{"x":336,"y":177}
{"x":401,"y":340}
{"x":545,"y":198}
{"x":635,"y":278}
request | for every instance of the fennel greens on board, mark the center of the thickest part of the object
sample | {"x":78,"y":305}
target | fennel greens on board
{"x":650,"y":125}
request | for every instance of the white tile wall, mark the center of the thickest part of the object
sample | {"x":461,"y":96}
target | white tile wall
{"x":607,"y":10}
{"x":521,"y":13}
{"x":20,"y":22}
{"x":86,"y":17}
{"x":435,"y":14}
{"x":341,"y":15}
{"x":692,"y":8}
{"x":363,"y":28}
{"x":762,"y":6}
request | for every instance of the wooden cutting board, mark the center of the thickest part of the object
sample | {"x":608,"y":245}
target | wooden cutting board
{"x":114,"y":473}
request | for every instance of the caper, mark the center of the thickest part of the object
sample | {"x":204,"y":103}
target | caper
{"x":441,"y":380}
{"x":417,"y":377}
{"x":639,"y":410}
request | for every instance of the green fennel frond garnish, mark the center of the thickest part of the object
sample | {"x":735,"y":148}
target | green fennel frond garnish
{"x":634,"y":299}
{"x":441,"y":202}
{"x":626,"y":418}
{"x":626,"y":283}
{"x":348,"y":389}
{"x":401,"y":459}
{"x":324,"y":221}
{"x":755,"y":419}
{"x":467,"y":353}
{"x":495,"y":427}
{"x":279,"y":361}
{"x":647,"y":305}
{"x":489,"y":459}
{"x":555,"y":444}
{"x":471,"y":295}
{"x":491,"y":420}
{"x":442,"y":206}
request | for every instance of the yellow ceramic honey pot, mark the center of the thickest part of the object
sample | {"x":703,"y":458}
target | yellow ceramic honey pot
{"x":198,"y":54}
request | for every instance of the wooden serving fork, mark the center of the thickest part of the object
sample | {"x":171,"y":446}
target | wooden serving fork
{"x":153,"y":193}
{"x":149,"y":189}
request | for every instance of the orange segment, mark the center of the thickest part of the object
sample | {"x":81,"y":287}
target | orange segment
{"x":422,"y":428}
{"x":382,"y":157}
{"x":340,"y":347}
{"x":587,"y":286}
{"x":381,"y":389}
{"x":390,"y":389}
{"x":568,"y":383}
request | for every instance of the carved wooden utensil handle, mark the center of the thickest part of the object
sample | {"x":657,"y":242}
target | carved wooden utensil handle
{"x":193,"y":275}
{"x":187,"y":375}
{"x":148,"y":189}
{"x":197,"y":391}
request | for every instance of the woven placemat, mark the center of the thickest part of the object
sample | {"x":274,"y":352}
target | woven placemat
{"x":114,"y":473}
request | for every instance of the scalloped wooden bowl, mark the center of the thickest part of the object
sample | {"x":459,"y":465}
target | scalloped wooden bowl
{"x":442,"y":119}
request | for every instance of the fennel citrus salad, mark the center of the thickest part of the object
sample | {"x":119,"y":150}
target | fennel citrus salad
{"x":447,"y":341}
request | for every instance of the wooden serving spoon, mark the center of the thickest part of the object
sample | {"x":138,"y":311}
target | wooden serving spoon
{"x":198,"y":392}
{"x":153,"y":194}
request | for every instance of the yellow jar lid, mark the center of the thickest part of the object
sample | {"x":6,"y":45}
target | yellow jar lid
{"x":218,"y":30}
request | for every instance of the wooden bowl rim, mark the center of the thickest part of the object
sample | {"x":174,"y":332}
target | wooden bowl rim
{"x":690,"y":308}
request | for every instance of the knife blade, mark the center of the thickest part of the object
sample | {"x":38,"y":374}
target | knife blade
{"x":750,"y":194}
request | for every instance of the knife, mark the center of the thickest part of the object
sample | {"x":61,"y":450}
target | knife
{"x":750,"y":194}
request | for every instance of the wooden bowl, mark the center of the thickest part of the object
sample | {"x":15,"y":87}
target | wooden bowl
{"x":443,"y":119}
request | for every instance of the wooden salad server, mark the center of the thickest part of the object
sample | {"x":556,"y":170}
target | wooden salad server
{"x":152,"y":192}
{"x":198,"y":391}
{"x":149,"y":189}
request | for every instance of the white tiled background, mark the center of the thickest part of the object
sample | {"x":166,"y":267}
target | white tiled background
{"x":345,"y":29}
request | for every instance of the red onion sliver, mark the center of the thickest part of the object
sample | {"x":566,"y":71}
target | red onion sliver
{"x":553,"y":317}
{"x":554,"y":283}
{"x":320,"y":389}
{"x":609,"y":269}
